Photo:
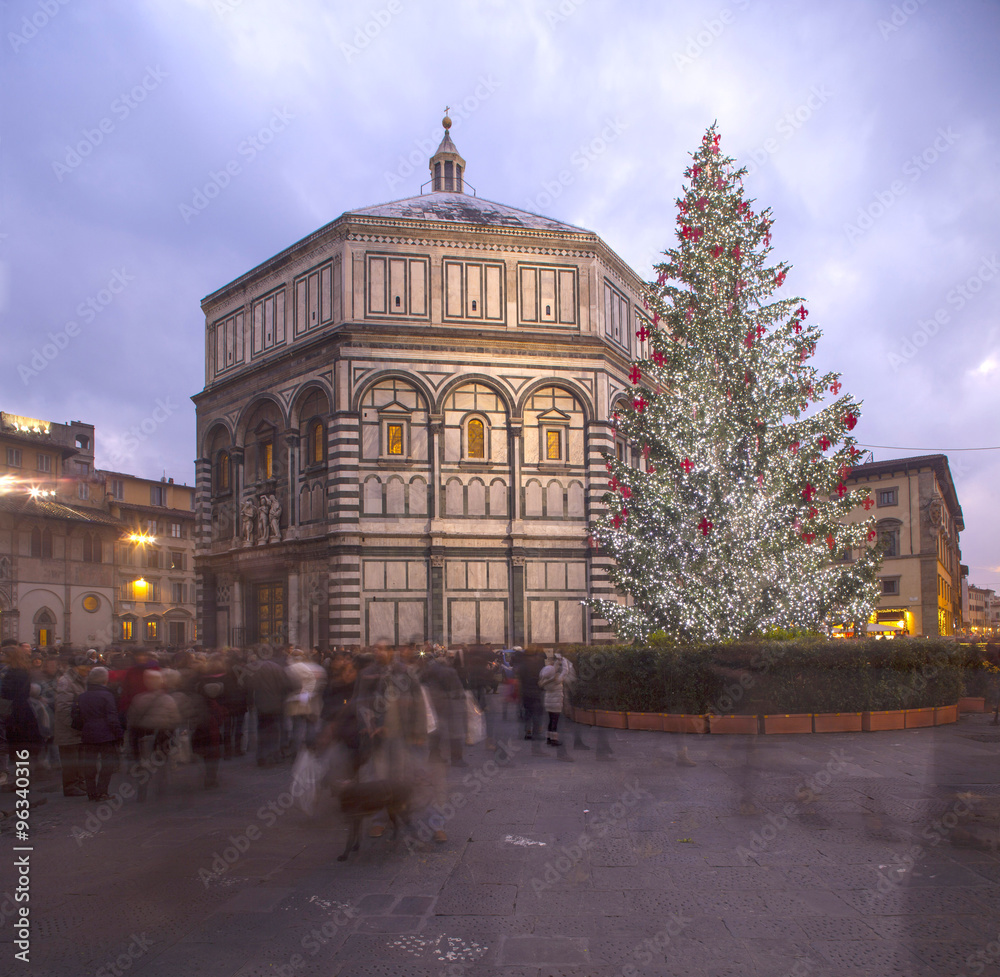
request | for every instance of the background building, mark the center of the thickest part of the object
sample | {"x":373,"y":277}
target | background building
{"x":402,"y":427}
{"x":68,"y":555}
{"x":918,"y":520}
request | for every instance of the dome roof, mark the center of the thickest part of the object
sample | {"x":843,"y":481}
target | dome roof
{"x":461,"y":208}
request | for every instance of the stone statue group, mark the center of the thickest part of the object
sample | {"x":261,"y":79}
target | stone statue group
{"x":264,"y":516}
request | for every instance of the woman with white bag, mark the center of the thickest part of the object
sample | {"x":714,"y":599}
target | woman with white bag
{"x":557,"y":673}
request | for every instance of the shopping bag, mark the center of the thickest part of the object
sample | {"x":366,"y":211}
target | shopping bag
{"x":307,"y":772}
{"x":475,"y":721}
{"x":432,"y":723}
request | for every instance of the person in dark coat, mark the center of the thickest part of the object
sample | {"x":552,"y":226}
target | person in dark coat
{"x":236,"y":701}
{"x":448,"y":699}
{"x":269,"y":684}
{"x":529,"y":667}
{"x":210,"y":717}
{"x":20,"y":724}
{"x":101,"y":734}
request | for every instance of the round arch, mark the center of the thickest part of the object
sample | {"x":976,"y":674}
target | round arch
{"x":581,"y":395}
{"x":465,"y":379}
{"x":302,"y":394}
{"x":419,"y":385}
{"x":240,"y":433}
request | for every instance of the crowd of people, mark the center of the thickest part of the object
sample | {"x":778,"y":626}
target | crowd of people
{"x":387,"y":709}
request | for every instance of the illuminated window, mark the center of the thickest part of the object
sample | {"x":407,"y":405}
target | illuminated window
{"x":151,"y":630}
{"x":553,"y":445}
{"x":476,"y":439}
{"x":317,"y":442}
{"x":127,"y":633}
{"x":394,"y":439}
{"x":91,"y":603}
{"x":267,"y":459}
{"x":222,"y":478}
{"x":44,"y":636}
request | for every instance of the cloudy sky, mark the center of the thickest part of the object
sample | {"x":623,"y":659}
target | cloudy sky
{"x":154,"y":150}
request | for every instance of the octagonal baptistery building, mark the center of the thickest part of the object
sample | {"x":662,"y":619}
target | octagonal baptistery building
{"x":402,"y":429}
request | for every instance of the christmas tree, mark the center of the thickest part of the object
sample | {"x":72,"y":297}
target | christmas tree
{"x":733,"y":521}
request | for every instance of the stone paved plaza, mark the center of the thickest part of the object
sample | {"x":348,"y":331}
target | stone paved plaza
{"x":839,"y":854}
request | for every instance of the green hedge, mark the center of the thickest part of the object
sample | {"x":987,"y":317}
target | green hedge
{"x":748,"y":678}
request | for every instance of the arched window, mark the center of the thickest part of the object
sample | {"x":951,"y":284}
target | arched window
{"x":475,"y":439}
{"x":888,"y":536}
{"x":223,"y":474}
{"x":317,"y":443}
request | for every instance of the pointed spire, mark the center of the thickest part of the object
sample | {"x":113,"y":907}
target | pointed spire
{"x":446,"y":165}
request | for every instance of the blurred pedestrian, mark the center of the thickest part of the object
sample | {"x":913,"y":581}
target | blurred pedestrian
{"x":69,"y":687}
{"x":100,"y":734}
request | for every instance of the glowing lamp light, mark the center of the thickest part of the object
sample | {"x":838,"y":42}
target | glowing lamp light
{"x":142,"y":538}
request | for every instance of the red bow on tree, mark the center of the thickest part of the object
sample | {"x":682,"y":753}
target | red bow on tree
{"x":794,"y":447}
{"x":626,"y":492}
{"x":642,"y":334}
{"x":696,"y":233}
{"x":661,"y":278}
{"x":742,"y":206}
{"x":808,"y":537}
{"x":868,"y":503}
{"x":717,"y":250}
{"x":830,"y":541}
{"x":841,"y":490}
{"x":636,"y":375}
{"x":701,"y":203}
{"x":835,"y":387}
{"x":802,"y":312}
{"x":687,"y":465}
{"x":640,"y":403}
{"x":705,"y":526}
{"x":748,"y":342}
{"x":761,"y":330}
{"x":591,"y":542}
{"x":871,"y":535}
{"x":695,"y":172}
{"x":658,"y":358}
{"x":613,"y":484}
{"x":656,"y":318}
{"x":824,"y":442}
{"x":645,"y":451}
{"x":797,"y":326}
{"x":780,"y":279}
{"x":616,"y":522}
{"x":607,"y":465}
{"x":736,"y":252}
{"x":767,"y":238}
{"x":808,"y":492}
{"x":854,"y":452}
{"x":850,"y":420}
{"x":813,"y":512}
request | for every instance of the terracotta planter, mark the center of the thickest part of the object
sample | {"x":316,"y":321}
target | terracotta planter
{"x":800,"y":722}
{"x":837,"y":722}
{"x":610,"y":720}
{"x":674,"y":722}
{"x":872,"y":722}
{"x":972,"y":703}
{"x":917,"y":718}
{"x":945,"y":714}
{"x":645,"y":720}
{"x":585,"y":716}
{"x":732,"y":724}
